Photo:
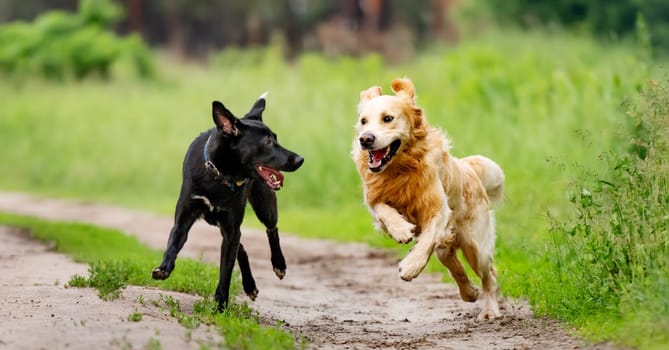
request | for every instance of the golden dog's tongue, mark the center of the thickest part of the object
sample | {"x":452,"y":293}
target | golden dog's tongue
{"x":376,"y":157}
{"x":378,"y":154}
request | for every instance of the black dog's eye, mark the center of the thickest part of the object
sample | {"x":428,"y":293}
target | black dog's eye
{"x":363,"y":121}
{"x":268,"y":141}
{"x":388,"y":118}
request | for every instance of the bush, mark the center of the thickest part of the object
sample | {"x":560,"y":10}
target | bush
{"x":613,"y":258}
{"x":60,"y":44}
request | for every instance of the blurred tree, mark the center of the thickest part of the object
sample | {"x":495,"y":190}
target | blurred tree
{"x":134,"y":10}
{"x":600,"y":17}
{"x":195,"y":28}
{"x":29,"y":9}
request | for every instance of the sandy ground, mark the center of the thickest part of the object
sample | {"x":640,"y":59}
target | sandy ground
{"x":338,"y":296}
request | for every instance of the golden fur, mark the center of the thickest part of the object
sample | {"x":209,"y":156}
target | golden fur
{"x":422,"y":192}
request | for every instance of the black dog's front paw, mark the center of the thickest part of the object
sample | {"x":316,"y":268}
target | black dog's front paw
{"x":159,"y":274}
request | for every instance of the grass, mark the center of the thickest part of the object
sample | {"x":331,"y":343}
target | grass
{"x":117,"y":260}
{"x":542,"y":106}
{"x":613,"y":252}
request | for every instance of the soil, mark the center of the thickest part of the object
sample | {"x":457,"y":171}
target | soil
{"x":337,"y":296}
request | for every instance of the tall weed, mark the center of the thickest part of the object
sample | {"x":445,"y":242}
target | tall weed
{"x":612,"y":257}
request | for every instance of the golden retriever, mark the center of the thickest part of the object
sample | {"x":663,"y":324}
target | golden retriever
{"x":415,"y":189}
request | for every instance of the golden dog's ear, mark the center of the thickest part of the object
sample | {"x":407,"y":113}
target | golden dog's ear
{"x":404,"y":88}
{"x":366,"y":95}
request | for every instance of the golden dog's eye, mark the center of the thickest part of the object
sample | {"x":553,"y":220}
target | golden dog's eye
{"x":388,"y":118}
{"x":363,"y":121}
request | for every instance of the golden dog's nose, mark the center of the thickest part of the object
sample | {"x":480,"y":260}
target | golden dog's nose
{"x":367,"y":140}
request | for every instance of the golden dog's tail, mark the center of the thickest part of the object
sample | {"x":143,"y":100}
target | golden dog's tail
{"x":491,"y":176}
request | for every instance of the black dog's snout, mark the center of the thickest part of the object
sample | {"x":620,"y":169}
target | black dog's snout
{"x":367,"y":140}
{"x":296,"y":161}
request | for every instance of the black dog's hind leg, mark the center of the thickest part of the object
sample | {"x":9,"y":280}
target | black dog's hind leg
{"x":263,"y":201}
{"x":229,"y":250}
{"x":184,"y":218}
{"x":247,"y":277}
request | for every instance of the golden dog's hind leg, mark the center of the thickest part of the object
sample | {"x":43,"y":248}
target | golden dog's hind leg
{"x":479,"y":254}
{"x":447,"y":254}
{"x":490,"y":306}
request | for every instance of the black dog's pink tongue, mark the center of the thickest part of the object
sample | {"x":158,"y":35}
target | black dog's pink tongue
{"x":273,"y":178}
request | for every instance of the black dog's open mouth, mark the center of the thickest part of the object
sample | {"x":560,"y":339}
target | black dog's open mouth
{"x":273,"y":178}
{"x":379,"y":158}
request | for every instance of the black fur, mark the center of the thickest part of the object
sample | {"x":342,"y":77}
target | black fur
{"x":240,"y":151}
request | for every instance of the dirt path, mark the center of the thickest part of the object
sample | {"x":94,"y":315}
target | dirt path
{"x":338,"y":296}
{"x":38,"y":312}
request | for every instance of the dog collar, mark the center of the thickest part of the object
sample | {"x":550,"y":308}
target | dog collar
{"x":216,"y":174}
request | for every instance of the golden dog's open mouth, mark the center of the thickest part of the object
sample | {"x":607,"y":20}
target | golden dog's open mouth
{"x":273,"y":178}
{"x":378,"y":159}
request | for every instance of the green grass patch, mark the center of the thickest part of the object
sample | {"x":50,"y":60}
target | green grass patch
{"x":135,"y":316}
{"x":117,"y":260}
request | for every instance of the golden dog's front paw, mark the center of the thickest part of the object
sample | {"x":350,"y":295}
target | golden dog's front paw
{"x":410,"y":267}
{"x":402,"y":232}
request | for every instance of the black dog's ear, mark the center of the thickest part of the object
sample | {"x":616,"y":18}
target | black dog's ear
{"x":257,"y":109}
{"x":225,"y":122}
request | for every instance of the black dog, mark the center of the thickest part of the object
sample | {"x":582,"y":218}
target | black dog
{"x":240,"y":159}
